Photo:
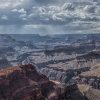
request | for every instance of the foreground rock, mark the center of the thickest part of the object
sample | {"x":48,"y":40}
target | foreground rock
{"x":21,"y":83}
{"x":25,"y":83}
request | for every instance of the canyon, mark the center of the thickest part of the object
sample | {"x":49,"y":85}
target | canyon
{"x":60,"y":67}
{"x":23,"y":82}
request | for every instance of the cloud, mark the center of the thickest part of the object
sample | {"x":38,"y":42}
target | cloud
{"x":4,"y":17}
{"x":69,"y":14}
{"x":64,"y":14}
{"x":10,"y":3}
{"x":52,"y":14}
{"x":90,"y":9}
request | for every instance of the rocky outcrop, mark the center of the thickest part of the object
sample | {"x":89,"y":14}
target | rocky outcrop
{"x":92,"y":81}
{"x":91,"y":77}
{"x":64,"y":76}
{"x":25,"y":83}
{"x":21,"y":83}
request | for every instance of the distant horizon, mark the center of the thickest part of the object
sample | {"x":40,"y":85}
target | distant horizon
{"x":51,"y":34}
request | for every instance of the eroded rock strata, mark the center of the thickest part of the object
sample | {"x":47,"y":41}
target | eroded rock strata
{"x":25,"y":83}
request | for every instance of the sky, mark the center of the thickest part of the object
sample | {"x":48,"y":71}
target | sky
{"x":49,"y":16}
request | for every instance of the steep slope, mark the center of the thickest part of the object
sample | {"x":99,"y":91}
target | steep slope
{"x":21,"y":82}
{"x":25,"y":83}
{"x":90,"y":93}
{"x":91,"y":77}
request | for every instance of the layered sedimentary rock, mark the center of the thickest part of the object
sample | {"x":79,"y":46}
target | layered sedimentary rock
{"x":21,"y":83}
{"x":25,"y":83}
{"x":89,"y":92}
{"x":64,"y":76}
{"x":91,"y":77}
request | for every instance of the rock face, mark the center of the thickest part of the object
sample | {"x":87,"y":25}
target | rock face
{"x":89,"y":92}
{"x":64,"y":76}
{"x":25,"y":83}
{"x":91,"y":77}
{"x":21,"y":83}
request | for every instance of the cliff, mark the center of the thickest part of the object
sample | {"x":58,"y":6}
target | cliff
{"x":21,"y":83}
{"x":25,"y":83}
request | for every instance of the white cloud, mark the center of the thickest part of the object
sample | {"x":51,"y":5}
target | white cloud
{"x":65,"y":13}
{"x":14,"y":10}
{"x":4,"y":17}
{"x":68,"y":6}
{"x":22,"y":11}
{"x":90,"y":9}
{"x":4,"y":4}
{"x":54,"y":14}
{"x":74,"y":14}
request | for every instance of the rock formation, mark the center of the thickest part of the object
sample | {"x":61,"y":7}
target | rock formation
{"x":23,"y":82}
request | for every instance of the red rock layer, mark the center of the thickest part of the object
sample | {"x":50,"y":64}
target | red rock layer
{"x":25,"y":83}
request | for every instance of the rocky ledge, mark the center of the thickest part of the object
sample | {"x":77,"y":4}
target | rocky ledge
{"x":25,"y":83}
